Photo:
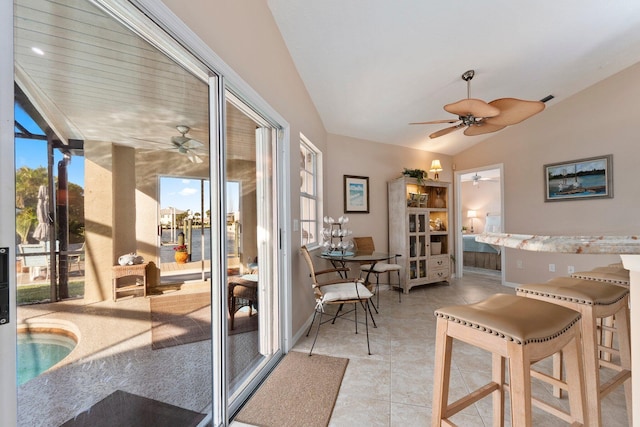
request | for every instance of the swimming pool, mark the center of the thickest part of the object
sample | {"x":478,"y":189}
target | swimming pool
{"x":40,"y":349}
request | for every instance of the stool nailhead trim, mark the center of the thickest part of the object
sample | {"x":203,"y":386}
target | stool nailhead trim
{"x":502,"y":335}
{"x":564,"y":298}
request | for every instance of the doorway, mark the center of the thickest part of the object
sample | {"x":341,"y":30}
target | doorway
{"x":480,"y":208}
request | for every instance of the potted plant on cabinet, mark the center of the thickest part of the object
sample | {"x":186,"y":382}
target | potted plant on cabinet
{"x":418,"y":174}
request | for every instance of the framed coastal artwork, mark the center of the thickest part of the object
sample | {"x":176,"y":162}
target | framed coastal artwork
{"x":356,"y":194}
{"x":579,"y":179}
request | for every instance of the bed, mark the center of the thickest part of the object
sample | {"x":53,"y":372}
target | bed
{"x":482,"y":255}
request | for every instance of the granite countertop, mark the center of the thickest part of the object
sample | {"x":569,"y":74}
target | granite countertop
{"x":564,"y":244}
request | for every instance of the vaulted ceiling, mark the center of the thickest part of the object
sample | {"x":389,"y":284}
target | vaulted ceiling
{"x":373,"y":66}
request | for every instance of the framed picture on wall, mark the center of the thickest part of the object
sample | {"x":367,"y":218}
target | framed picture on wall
{"x":579,"y":179}
{"x":356,"y":194}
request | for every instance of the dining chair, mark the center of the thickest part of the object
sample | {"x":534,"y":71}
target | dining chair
{"x":365,"y":244}
{"x":337,"y":291}
{"x":76,"y":259}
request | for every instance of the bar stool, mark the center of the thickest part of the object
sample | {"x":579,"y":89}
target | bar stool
{"x":594,"y":300}
{"x":512,"y":328}
{"x":614,"y":274}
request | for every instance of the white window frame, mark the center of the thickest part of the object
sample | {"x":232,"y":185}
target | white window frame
{"x":315,"y":174}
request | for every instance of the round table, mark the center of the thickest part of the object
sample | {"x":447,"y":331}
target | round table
{"x":361,"y":257}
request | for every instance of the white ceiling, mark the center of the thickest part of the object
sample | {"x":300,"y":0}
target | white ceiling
{"x":373,"y":66}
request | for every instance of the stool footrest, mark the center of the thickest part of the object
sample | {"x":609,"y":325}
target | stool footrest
{"x":614,"y":382}
{"x":549,"y":379}
{"x":553,"y":410}
{"x":471,"y":398}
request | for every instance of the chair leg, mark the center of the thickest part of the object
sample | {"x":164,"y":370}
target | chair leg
{"x":370,"y":314}
{"x":377,"y":293}
{"x":366,"y":325}
{"x":337,"y":312}
{"x":315,"y":312}
{"x":317,"y":330}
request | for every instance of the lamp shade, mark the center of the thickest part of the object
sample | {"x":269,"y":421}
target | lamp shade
{"x":472,"y":214}
{"x":435,"y":166}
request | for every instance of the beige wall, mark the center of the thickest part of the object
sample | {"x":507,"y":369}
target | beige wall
{"x":600,"y":120}
{"x":244,"y":35}
{"x":381,"y":163}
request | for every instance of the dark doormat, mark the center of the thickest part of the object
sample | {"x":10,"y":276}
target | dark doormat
{"x":123,"y":409}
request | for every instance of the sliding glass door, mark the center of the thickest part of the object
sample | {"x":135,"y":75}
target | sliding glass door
{"x":109,"y":318}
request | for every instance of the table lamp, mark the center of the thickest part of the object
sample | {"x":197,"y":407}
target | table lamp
{"x":435,"y":168}
{"x":471,"y":215}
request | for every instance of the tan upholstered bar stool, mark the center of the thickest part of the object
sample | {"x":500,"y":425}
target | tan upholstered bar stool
{"x":595,"y":300}
{"x":511,"y":328}
{"x":614,"y":274}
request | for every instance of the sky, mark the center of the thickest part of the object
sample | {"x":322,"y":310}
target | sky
{"x":33,"y":153}
{"x":183,"y":194}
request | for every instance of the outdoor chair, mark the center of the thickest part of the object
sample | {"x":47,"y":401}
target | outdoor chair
{"x":338,"y":291}
{"x":365,"y":244}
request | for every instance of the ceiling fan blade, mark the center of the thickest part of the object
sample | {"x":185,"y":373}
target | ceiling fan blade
{"x":433,"y":122}
{"x":482,"y":129}
{"x":472,"y":107}
{"x":513,"y":111}
{"x":193,"y":157}
{"x":179,"y":140}
{"x":192,"y":144}
{"x":446,"y":131}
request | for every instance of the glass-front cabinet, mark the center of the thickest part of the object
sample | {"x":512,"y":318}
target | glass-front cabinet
{"x":419,"y":230}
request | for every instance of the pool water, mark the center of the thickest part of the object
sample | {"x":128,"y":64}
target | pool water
{"x":39,"y":351}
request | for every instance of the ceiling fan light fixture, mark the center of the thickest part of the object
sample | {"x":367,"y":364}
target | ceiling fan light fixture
{"x":480,"y":117}
{"x":183,"y":129}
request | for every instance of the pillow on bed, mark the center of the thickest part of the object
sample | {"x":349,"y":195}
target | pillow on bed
{"x":492,"y":223}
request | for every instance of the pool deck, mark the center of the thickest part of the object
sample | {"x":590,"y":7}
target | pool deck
{"x":113,"y":353}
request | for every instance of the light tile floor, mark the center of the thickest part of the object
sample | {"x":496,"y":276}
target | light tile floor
{"x":393,"y":386}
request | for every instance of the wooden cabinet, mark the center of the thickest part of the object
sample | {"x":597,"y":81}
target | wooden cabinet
{"x":419,"y":221}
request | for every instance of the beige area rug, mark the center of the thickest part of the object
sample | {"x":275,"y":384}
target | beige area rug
{"x":186,"y":318}
{"x":301,"y":391}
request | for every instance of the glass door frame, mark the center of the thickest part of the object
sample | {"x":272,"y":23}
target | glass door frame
{"x":8,"y":331}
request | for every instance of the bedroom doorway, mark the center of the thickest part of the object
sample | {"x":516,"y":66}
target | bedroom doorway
{"x":480,"y":208}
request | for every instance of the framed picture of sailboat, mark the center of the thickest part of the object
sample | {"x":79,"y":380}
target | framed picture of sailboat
{"x":579,"y":179}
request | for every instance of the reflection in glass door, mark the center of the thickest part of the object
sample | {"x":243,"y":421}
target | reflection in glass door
{"x":132,"y":343}
{"x":253,"y":339}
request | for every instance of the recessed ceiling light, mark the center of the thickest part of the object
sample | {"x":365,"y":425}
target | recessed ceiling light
{"x":37,"y":50}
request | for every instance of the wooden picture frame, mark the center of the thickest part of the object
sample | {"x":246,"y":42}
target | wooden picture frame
{"x":590,"y":178}
{"x":356,"y":194}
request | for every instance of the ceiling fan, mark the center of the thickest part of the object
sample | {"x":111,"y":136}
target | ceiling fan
{"x":479,"y":117}
{"x":477,"y":178}
{"x":185,"y":145}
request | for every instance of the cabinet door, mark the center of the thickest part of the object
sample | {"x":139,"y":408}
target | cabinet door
{"x":418,"y":220}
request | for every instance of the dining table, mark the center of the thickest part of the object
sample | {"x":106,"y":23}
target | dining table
{"x":341,"y":258}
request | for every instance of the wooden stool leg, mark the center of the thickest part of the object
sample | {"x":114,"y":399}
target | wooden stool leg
{"x":591,"y":365}
{"x":519,"y":385}
{"x":575,"y":372}
{"x":442,"y":373}
{"x":622,"y":328}
{"x":557,"y":373}
{"x":498,"y":377}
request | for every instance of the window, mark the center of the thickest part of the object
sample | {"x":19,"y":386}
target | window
{"x":309,"y":193}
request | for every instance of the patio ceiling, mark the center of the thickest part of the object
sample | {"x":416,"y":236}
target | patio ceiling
{"x":95,"y":80}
